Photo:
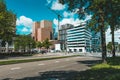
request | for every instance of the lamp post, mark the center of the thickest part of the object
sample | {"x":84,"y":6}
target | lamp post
{"x":13,"y":44}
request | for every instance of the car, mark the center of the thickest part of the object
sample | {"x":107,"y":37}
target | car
{"x":43,"y":51}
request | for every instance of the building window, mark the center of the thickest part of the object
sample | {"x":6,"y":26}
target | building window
{"x":70,"y":50}
{"x":80,"y":50}
{"x":75,"y":50}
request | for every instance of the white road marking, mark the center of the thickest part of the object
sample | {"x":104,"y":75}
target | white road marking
{"x":57,"y":61}
{"x":15,"y":68}
{"x":41,"y":64}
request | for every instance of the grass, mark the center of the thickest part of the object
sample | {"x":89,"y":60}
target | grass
{"x":31,"y":60}
{"x":102,"y":71}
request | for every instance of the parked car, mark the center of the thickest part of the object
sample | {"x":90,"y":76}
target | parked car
{"x":43,"y":51}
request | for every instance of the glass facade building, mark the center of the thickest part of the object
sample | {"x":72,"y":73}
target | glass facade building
{"x":79,"y":39}
{"x":96,"y":42}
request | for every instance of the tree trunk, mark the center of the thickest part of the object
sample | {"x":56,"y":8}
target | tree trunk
{"x":113,"y":42}
{"x":103,"y":44}
{"x":103,"y":36}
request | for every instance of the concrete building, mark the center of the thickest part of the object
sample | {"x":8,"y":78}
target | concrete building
{"x":63,"y":35}
{"x":4,"y":46}
{"x":96,"y":42}
{"x":42,"y":30}
{"x":79,"y":39}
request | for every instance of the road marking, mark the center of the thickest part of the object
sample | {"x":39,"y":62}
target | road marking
{"x":57,"y":61}
{"x":15,"y":68}
{"x":41,"y":64}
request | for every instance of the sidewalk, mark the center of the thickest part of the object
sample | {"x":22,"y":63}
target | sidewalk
{"x":46,"y":55}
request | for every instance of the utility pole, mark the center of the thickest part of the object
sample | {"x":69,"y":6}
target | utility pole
{"x":58,"y":16}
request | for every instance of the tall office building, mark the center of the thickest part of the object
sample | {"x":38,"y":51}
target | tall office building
{"x":42,"y":30}
{"x":63,"y":35}
{"x":79,"y":39}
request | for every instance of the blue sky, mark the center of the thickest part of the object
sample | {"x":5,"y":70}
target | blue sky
{"x":28,"y":11}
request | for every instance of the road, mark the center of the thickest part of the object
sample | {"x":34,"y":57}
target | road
{"x":57,"y":69}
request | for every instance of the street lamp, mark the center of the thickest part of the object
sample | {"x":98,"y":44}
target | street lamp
{"x":13,"y":44}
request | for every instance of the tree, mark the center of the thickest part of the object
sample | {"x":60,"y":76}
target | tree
{"x":7,"y":24}
{"x":46,"y":44}
{"x":97,"y":9}
{"x":119,"y":47}
{"x":24,"y":41}
{"x":39,"y":44}
{"x":109,"y":46}
{"x":113,"y":19}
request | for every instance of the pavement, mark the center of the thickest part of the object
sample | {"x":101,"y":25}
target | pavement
{"x":50,"y":55}
{"x":56,"y":69}
{"x":46,"y":55}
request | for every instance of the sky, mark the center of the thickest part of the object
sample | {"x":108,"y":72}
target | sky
{"x":28,"y":11}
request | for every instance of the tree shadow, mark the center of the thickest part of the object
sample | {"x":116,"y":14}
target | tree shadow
{"x":90,"y":63}
{"x":91,"y":74}
{"x":51,"y":75}
{"x":99,"y":74}
{"x":113,"y":61}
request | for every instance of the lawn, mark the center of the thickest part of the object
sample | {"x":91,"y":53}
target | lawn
{"x":108,"y":71}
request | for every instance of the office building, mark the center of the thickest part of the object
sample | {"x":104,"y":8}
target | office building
{"x":96,"y":42}
{"x":63,"y":35}
{"x":79,"y":39}
{"x":42,"y":30}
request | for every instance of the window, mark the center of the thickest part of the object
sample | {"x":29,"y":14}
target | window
{"x":80,"y":50}
{"x":70,"y":50}
{"x":75,"y":50}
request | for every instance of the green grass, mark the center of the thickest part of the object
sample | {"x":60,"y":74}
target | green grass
{"x":31,"y":60}
{"x":102,"y":71}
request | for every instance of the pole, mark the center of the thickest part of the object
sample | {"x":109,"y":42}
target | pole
{"x":58,"y":27}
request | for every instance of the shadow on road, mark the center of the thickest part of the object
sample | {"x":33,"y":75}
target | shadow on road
{"x":51,"y":75}
{"x":62,"y":75}
{"x":92,"y":74}
{"x":90,"y":63}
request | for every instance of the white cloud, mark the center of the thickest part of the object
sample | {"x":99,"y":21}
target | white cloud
{"x":49,"y":1}
{"x":72,"y":21}
{"x":68,"y":14}
{"x":24,"y":25}
{"x":24,"y":30}
{"x":22,"y":20}
{"x":57,"y":6}
{"x":55,"y":21}
{"x":65,"y":14}
{"x":88,"y":17}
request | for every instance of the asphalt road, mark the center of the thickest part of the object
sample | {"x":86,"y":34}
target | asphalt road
{"x":57,"y":69}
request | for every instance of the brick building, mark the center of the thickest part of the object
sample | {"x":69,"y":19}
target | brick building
{"x":42,"y":30}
